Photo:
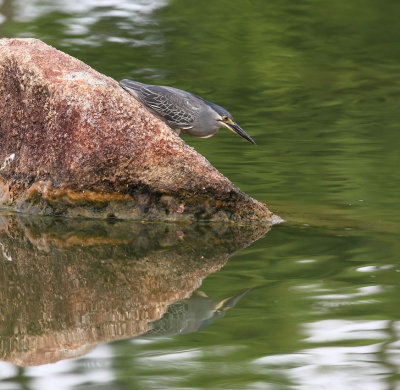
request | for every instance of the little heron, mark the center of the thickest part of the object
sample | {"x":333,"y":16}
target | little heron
{"x":184,"y":111}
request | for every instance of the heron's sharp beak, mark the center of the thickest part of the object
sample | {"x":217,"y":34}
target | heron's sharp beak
{"x":233,"y":126}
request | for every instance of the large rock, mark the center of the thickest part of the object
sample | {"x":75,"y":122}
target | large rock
{"x":72,"y":142}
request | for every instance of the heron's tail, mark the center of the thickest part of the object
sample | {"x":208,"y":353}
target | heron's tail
{"x":131,"y":85}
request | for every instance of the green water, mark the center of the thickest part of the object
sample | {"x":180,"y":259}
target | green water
{"x":311,"y":304}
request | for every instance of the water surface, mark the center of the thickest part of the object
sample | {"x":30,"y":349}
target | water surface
{"x":313,"y":303}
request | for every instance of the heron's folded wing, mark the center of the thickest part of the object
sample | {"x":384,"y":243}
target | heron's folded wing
{"x":180,"y":111}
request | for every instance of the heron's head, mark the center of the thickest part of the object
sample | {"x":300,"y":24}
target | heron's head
{"x":225,"y":119}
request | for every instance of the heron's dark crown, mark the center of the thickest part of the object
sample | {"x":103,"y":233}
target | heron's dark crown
{"x":220,"y":110}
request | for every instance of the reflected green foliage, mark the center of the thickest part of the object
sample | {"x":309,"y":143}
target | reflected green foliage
{"x":315,"y":84}
{"x":317,"y":295}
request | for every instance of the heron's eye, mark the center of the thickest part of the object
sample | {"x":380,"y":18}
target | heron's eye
{"x":225,"y":118}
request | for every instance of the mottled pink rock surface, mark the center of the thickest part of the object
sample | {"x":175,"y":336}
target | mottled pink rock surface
{"x":73,"y":143}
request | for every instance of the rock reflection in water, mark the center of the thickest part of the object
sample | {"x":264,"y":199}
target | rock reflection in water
{"x":66,"y":285}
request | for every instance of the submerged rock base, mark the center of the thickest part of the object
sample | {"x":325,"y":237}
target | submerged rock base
{"x":73,"y":143}
{"x":141,"y":204}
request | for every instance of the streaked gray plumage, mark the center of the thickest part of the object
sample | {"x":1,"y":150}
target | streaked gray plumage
{"x":184,"y":111}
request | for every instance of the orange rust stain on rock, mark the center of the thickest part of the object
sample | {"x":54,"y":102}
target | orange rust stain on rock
{"x":45,"y":190}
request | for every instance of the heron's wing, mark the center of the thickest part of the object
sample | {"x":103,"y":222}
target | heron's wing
{"x":174,"y":105}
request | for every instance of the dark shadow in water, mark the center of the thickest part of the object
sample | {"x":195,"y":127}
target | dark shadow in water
{"x":66,"y":285}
